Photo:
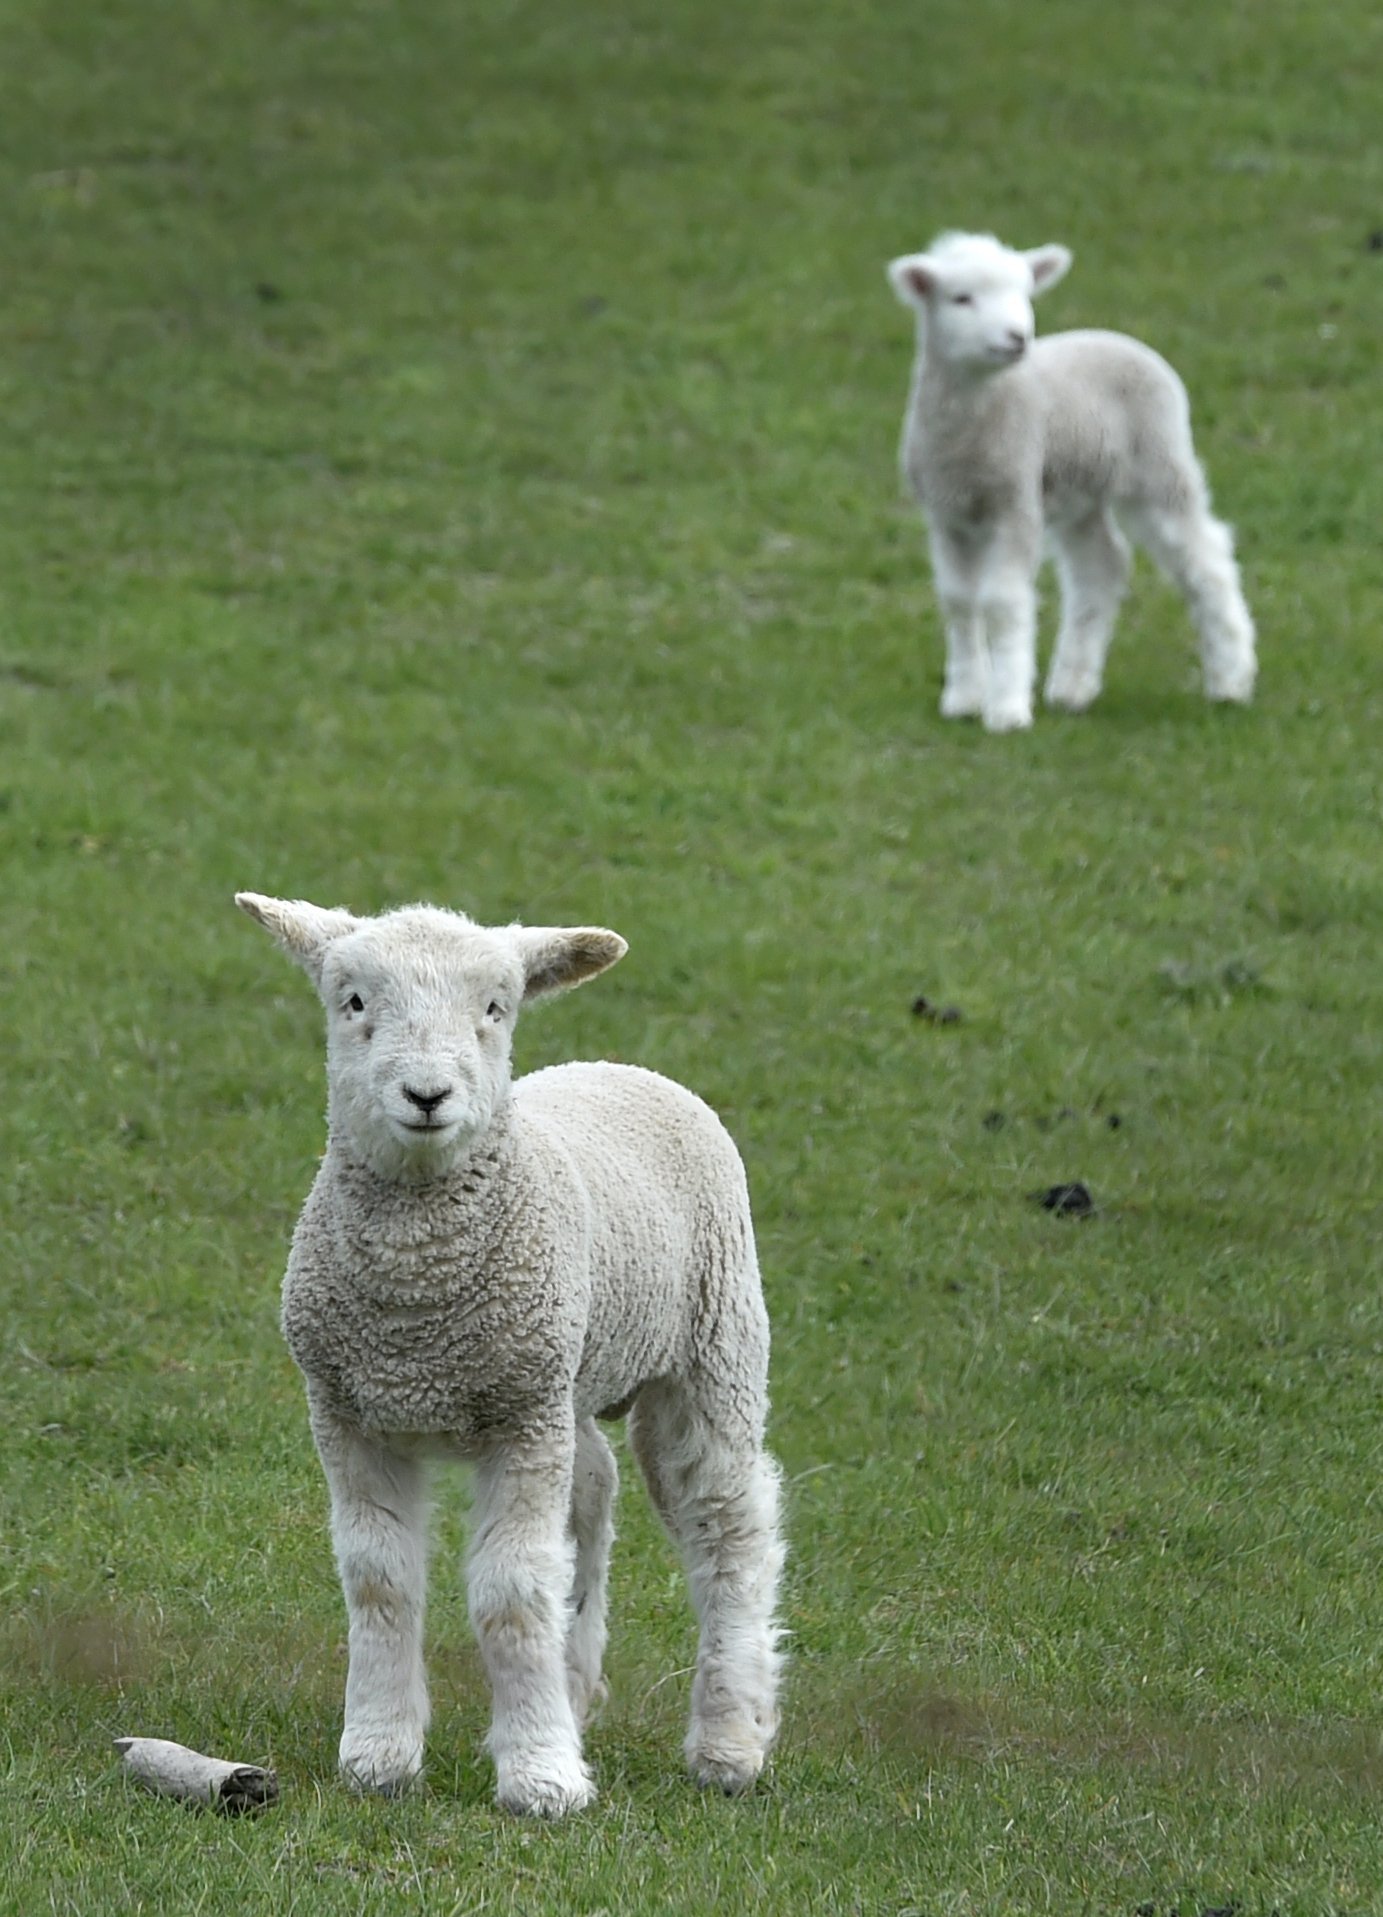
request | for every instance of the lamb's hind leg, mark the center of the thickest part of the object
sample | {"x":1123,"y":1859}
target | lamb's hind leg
{"x":717,"y":1491}
{"x":1093,"y":563}
{"x":594,"y":1482}
{"x":1196,"y":551}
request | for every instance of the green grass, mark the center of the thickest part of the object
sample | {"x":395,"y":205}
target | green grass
{"x":448,"y":452}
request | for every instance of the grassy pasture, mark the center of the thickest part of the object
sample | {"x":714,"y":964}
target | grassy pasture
{"x":448,"y":452}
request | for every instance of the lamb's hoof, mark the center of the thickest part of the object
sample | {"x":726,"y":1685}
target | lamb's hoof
{"x":1231,"y":691}
{"x":728,"y":1771}
{"x":383,"y":1765}
{"x":545,"y":1787}
{"x":1007,"y":718}
{"x":1071,"y":695}
{"x":962,"y":702}
{"x":727,"y":1756}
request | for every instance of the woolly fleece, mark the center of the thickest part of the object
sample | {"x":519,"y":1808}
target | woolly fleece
{"x":595,"y":1239}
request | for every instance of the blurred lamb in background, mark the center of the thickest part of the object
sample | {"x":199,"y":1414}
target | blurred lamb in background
{"x":1076,"y":435}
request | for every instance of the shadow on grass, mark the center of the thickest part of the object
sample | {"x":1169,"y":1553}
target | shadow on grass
{"x":920,"y":1719}
{"x":104,"y":1668}
{"x":80,"y":1646}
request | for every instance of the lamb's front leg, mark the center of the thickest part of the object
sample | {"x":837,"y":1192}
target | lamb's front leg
{"x":967,"y":654}
{"x":379,"y":1530}
{"x":520,"y":1579}
{"x":1008,"y":594}
{"x":1093,"y":561}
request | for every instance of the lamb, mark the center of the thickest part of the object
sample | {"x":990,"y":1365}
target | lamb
{"x":1078,"y":434}
{"x":483,"y":1268}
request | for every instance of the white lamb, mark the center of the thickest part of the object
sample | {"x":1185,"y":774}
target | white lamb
{"x":484,"y":1268}
{"x":1078,"y":434}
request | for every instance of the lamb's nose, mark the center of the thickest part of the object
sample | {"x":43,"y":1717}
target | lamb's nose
{"x":1018,"y":341}
{"x":426,"y":1102}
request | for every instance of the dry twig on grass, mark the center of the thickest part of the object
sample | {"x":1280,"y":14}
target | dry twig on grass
{"x":175,"y":1771}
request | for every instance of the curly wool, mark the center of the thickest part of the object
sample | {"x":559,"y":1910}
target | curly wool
{"x":580,"y":1251}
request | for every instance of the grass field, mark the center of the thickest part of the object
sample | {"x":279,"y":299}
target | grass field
{"x":449,"y":452}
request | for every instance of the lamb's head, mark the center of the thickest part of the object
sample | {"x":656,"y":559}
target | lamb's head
{"x":420,"y":1007}
{"x":975,"y":297}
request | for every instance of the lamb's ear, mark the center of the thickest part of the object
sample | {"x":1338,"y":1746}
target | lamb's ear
{"x":304,"y":931}
{"x":557,"y":957}
{"x":912,"y":277}
{"x":1049,"y":264}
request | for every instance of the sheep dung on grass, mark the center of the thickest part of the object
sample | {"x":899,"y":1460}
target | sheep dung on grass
{"x":482,"y":1269}
{"x":1083,"y":435}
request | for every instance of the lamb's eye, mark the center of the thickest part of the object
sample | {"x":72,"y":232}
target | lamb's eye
{"x":962,"y":299}
{"x":355,"y":1003}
